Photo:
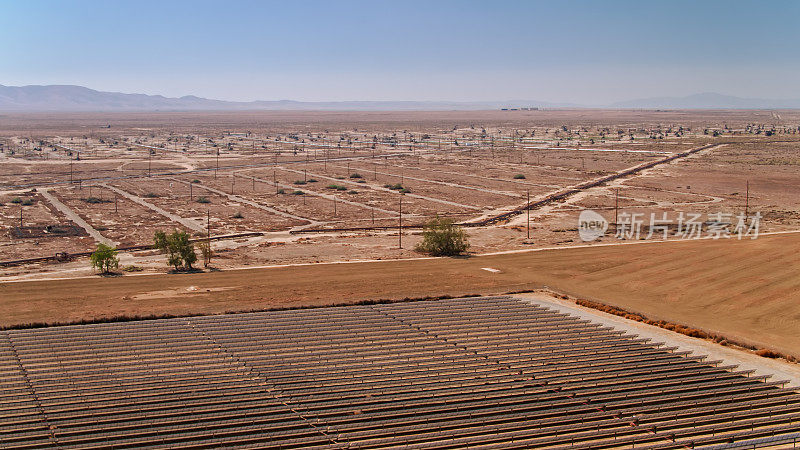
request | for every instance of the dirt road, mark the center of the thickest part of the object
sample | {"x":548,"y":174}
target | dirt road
{"x":747,"y":290}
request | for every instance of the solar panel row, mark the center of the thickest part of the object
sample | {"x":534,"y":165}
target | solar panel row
{"x":481,"y":372}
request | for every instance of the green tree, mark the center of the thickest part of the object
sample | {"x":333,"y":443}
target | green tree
{"x":105,"y":258}
{"x":442,"y":237}
{"x":178,"y":248}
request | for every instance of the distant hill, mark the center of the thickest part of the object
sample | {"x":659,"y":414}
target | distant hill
{"x":708,"y":100}
{"x":78,"y":98}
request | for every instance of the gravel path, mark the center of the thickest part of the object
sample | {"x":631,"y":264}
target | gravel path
{"x":321,"y":195}
{"x":236,"y":198}
{"x":73,"y":216}
{"x":779,"y":369}
{"x":381,"y":188}
{"x":188,"y":223}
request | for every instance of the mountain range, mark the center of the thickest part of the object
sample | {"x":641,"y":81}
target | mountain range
{"x":78,"y":98}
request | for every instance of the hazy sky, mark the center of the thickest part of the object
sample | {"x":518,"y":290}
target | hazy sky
{"x":561,"y":51}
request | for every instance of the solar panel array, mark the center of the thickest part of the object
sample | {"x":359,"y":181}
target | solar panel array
{"x":491,"y":372}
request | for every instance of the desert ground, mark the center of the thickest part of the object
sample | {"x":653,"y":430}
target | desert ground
{"x":289,"y":197}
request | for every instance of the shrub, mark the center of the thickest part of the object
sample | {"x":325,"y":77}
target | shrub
{"x":132,"y":268}
{"x":196,"y":181}
{"x":519,"y":176}
{"x":105,"y":258}
{"x":281,"y":191}
{"x":205,"y":251}
{"x":355,"y":175}
{"x":404,"y":191}
{"x":297,"y":193}
{"x":766,"y":353}
{"x":27,"y":202}
{"x":16,"y":200}
{"x":441,"y":237}
{"x":150,"y":195}
{"x":299,"y":182}
{"x":95,"y":200}
{"x":203,"y":200}
{"x":361,"y":181}
{"x":238,"y":215}
{"x":311,"y":180}
{"x":352,"y":191}
{"x":179,"y":250}
{"x":336,"y":187}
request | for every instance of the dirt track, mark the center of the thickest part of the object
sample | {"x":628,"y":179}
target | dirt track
{"x":746,"y":290}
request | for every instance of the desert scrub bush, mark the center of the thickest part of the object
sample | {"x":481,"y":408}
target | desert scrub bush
{"x":297,"y":193}
{"x":238,"y":215}
{"x":352,"y":191}
{"x":312,"y":180}
{"x":205,"y":251}
{"x":196,"y":181}
{"x":27,"y":202}
{"x":16,"y":200}
{"x":203,"y":200}
{"x":281,"y":191}
{"x":339,"y":177}
{"x":394,"y":187}
{"x":336,"y":187}
{"x":132,"y":268}
{"x":361,"y":181}
{"x":356,"y":175}
{"x":95,"y":200}
{"x":405,"y":191}
{"x":442,"y":237}
{"x":766,"y":353}
{"x":519,"y":176}
{"x":150,"y":195}
{"x":299,"y":182}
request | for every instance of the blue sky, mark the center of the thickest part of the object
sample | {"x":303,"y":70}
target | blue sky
{"x":562,"y":51}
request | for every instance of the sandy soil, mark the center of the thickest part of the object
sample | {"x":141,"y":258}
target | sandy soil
{"x":458,"y":164}
{"x":747,"y":290}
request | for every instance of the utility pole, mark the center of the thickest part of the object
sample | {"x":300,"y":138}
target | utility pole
{"x":275,"y":180}
{"x":616,"y":208}
{"x":208,"y":225}
{"x":528,"y":208}
{"x":115,"y":204}
{"x":334,"y":205}
{"x":70,"y":172}
{"x":216,"y":168}
{"x":400,"y":228}
{"x":149,"y":163}
{"x":190,"y":191}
